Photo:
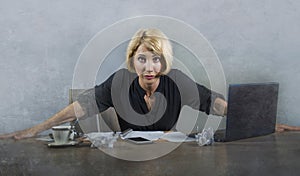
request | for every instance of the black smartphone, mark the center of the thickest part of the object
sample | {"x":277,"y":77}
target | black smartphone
{"x":139,"y":140}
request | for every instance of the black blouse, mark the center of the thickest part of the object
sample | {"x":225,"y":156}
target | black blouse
{"x":123,"y":92}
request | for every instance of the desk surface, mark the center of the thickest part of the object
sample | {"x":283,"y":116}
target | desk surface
{"x":275,"y":154}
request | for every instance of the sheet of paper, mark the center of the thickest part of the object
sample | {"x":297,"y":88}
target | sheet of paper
{"x":176,"y":137}
{"x":150,"y":135}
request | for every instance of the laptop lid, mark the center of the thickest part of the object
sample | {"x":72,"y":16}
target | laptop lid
{"x":252,"y":110}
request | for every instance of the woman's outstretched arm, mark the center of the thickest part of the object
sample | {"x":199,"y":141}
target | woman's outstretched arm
{"x":68,"y":114}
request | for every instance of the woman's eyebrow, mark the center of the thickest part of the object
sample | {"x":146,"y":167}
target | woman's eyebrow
{"x":155,"y":55}
{"x":142,"y":55}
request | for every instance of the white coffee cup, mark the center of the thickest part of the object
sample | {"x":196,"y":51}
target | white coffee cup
{"x":61,"y":134}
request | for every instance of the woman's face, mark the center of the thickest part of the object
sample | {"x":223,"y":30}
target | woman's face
{"x":147,"y":65}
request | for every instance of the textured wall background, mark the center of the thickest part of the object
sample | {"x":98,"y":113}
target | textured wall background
{"x":41,"y":41}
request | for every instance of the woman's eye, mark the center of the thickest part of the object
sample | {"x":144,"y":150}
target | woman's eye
{"x":142,"y":59}
{"x":156,"y":59}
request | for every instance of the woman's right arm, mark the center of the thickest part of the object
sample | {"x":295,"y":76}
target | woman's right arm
{"x":68,"y":114}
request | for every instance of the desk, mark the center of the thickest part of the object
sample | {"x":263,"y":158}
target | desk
{"x":275,"y":154}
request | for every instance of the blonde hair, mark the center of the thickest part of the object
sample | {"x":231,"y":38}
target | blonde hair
{"x":154,"y":40}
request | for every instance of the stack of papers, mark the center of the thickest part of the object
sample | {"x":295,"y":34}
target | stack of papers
{"x":153,"y":135}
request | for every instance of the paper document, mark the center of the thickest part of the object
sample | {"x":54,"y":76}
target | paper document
{"x":155,"y":135}
{"x":150,"y":135}
{"x":176,"y":137}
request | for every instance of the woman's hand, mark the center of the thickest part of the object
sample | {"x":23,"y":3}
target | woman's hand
{"x":220,"y":107}
{"x":68,"y":114}
{"x":27,"y":133}
{"x":282,"y":128}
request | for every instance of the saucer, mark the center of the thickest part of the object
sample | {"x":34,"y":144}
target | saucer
{"x":70,"y":143}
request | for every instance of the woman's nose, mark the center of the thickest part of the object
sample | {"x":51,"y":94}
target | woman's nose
{"x":149,"y":66}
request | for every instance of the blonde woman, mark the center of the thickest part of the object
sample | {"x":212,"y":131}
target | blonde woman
{"x":148,"y":95}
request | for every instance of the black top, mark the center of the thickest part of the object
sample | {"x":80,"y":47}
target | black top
{"x":123,"y":92}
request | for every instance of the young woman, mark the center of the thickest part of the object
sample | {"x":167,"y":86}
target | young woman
{"x":148,"y":95}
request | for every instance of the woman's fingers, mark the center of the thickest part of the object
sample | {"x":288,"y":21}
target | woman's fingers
{"x":7,"y":135}
{"x":282,"y":127}
{"x":18,"y":134}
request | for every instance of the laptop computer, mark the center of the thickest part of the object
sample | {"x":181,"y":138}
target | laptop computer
{"x":251,"y":111}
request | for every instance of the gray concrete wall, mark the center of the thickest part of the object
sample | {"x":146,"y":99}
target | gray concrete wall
{"x":41,"y":41}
